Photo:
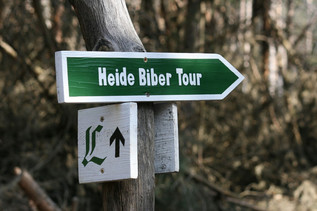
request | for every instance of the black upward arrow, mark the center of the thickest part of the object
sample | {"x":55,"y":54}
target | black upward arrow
{"x":117,"y":135}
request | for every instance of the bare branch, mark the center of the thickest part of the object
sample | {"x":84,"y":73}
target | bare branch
{"x":310,"y":23}
{"x":35,"y":192}
{"x":8,"y":49}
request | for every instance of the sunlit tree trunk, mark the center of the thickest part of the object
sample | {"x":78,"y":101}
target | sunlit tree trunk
{"x":309,"y":32}
{"x":277,"y":53}
{"x":244,"y":33}
{"x":267,"y":34}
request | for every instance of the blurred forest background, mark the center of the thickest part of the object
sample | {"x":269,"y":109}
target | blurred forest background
{"x":257,"y":147}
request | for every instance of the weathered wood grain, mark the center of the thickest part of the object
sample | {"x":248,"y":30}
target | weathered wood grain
{"x":106,"y":25}
{"x":166,"y":159}
{"x":136,"y":194}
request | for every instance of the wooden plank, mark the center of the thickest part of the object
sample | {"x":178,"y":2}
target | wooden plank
{"x":166,"y":145}
{"x":107,"y":143}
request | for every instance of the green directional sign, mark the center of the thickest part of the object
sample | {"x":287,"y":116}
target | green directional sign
{"x":84,"y":77}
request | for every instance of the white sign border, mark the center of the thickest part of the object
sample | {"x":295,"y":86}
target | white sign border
{"x":62,"y":77}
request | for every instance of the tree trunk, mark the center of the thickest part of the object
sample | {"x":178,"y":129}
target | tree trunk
{"x":106,"y":25}
{"x":309,"y":32}
{"x":267,"y":33}
{"x":277,"y":53}
{"x":148,"y":23}
{"x":192,"y":29}
{"x":136,"y":194}
{"x":290,"y":10}
{"x":244,"y":32}
{"x":261,"y":14}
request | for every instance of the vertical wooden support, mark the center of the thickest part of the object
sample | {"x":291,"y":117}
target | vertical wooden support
{"x":136,"y":194}
{"x":166,"y":158}
{"x":106,"y":25}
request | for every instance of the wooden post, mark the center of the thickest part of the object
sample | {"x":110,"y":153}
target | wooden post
{"x":106,"y":25}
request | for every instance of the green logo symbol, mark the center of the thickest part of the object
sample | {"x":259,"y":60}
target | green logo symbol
{"x":94,"y":159}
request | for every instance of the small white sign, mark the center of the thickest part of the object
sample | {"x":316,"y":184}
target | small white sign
{"x":107,"y":143}
{"x":166,"y":159}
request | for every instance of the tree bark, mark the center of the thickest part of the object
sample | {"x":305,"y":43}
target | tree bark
{"x":192,"y":29}
{"x":136,"y":194}
{"x":106,"y":25}
{"x":261,"y":11}
{"x":267,"y":33}
{"x":148,"y":23}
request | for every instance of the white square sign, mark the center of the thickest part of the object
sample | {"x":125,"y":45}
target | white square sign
{"x":107,"y":143}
